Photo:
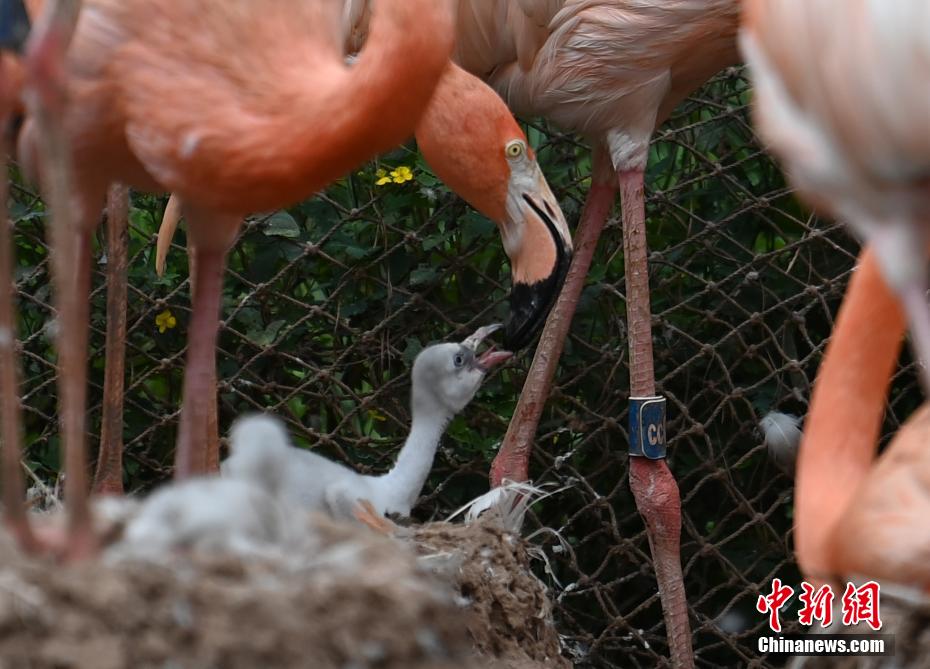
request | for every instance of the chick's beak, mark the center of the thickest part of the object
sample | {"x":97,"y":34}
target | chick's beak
{"x":490,"y":358}
{"x":540,"y":257}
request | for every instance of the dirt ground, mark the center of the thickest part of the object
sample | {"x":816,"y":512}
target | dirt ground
{"x":362,"y":600}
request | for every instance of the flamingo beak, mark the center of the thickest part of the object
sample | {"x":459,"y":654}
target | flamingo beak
{"x":490,"y":358}
{"x":540,"y":261}
{"x":14,"y":25}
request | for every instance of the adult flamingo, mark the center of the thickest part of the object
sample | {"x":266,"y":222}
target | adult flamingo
{"x":612,"y":70}
{"x":472,"y":142}
{"x":263,"y":113}
{"x":843,"y":103}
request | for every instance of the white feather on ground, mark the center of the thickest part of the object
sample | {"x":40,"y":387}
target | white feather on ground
{"x":782,"y":436}
{"x":511,"y":500}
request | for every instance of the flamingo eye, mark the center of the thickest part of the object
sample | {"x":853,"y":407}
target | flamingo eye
{"x":515,"y":148}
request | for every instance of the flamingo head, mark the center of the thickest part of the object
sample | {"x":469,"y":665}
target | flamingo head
{"x":447,"y":376}
{"x":472,"y":142}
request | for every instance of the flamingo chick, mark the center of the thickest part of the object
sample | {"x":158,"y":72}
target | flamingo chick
{"x":842,"y":101}
{"x":239,"y":513}
{"x":152,"y":98}
{"x":445,"y":378}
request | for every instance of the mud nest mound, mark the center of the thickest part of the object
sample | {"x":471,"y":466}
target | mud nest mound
{"x":361,"y":600}
{"x":439,"y":595}
{"x":510,"y":612}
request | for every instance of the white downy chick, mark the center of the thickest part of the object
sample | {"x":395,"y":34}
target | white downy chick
{"x":239,"y":513}
{"x":445,"y":378}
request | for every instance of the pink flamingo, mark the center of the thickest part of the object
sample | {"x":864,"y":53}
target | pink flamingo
{"x":612,"y":70}
{"x":843,"y":102}
{"x":263,"y":113}
{"x":853,"y":128}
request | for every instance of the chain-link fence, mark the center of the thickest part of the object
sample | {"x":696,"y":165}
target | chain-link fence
{"x":327,"y":304}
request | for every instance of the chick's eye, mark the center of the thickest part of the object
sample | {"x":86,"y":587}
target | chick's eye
{"x":514,"y":148}
{"x":458,"y":360}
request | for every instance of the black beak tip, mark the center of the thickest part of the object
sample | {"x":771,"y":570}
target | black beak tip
{"x":514,"y":336}
{"x":530,"y":305}
{"x":528,"y":310}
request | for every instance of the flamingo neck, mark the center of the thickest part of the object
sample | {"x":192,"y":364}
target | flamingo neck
{"x":401,"y":486}
{"x":844,"y":422}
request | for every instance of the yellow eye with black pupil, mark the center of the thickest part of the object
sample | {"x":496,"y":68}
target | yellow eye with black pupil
{"x":514,"y":148}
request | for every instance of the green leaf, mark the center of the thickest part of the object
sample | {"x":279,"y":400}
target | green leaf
{"x":282,"y":224}
{"x":423,"y":274}
{"x":267,"y":336}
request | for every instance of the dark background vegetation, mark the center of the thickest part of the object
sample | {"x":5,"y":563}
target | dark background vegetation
{"x":327,"y":303}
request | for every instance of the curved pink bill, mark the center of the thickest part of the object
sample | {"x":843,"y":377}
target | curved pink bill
{"x":491,"y":358}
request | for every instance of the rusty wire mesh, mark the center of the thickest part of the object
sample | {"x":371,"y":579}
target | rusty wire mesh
{"x":326,"y":305}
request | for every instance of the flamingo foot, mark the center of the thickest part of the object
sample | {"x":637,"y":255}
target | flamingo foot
{"x":512,"y":462}
{"x":365,"y":513}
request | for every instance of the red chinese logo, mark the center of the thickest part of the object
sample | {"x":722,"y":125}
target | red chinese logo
{"x":818,"y":605}
{"x":772,"y":603}
{"x":861,"y":605}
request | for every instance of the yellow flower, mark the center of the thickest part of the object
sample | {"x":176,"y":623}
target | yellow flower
{"x":165,"y":321}
{"x":402,"y":174}
{"x":383,"y":177}
{"x":376,"y":415}
{"x":397,"y":176}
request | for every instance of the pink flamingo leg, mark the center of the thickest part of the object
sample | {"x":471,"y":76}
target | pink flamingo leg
{"x":108,"y":478}
{"x":654,"y":488}
{"x":212,"y":454}
{"x":70,"y":235}
{"x":200,"y":375}
{"x":512,"y":461}
{"x":211,"y":462}
{"x":74,"y":318}
{"x":10,"y":413}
